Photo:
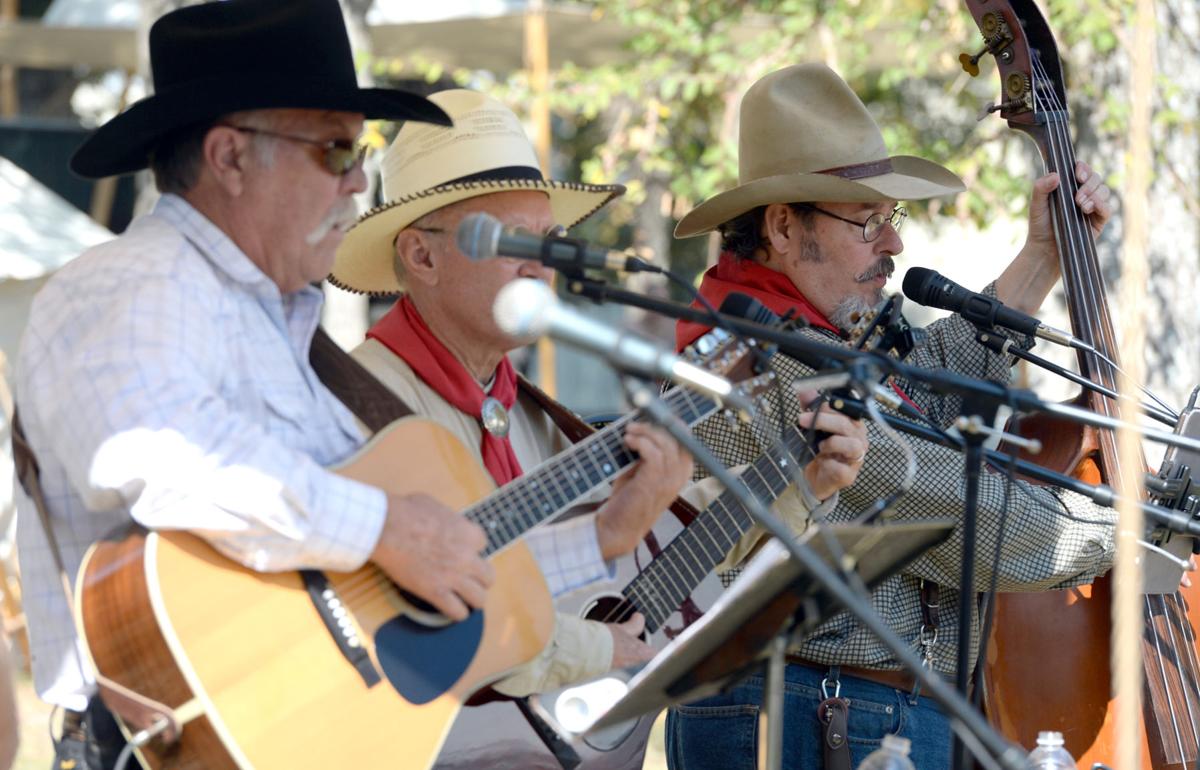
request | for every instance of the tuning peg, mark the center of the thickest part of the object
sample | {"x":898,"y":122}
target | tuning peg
{"x":970,"y":64}
{"x":990,"y":107}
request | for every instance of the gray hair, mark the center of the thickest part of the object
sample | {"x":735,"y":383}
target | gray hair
{"x":178,"y":157}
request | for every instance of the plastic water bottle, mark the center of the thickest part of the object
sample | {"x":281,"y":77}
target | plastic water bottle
{"x":892,"y":754}
{"x":1050,"y":754}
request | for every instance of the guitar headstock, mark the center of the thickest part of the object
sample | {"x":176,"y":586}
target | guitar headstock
{"x":741,"y":362}
{"x":1033,"y":90}
{"x":884,"y":328}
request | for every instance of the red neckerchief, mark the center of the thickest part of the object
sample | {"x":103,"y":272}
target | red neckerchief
{"x":770,"y":287}
{"x":405,"y":333}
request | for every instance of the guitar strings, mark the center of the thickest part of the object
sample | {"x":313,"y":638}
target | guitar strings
{"x":664,"y":577}
{"x":1074,"y":219}
{"x":522,"y":504}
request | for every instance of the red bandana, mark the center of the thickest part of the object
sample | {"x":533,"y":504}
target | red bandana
{"x":404,"y":333}
{"x":770,"y":287}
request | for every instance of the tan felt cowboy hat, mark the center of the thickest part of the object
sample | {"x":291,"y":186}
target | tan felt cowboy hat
{"x":428,"y":167}
{"x":806,"y":137}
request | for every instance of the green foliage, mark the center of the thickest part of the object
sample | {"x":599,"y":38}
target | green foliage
{"x":668,"y":110}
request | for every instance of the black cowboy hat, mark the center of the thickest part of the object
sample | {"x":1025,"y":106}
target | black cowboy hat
{"x":215,"y":58}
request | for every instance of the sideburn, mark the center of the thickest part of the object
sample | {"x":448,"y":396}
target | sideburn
{"x":810,"y":250}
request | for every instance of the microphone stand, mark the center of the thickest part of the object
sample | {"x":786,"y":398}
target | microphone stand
{"x":972,"y":729}
{"x":1101,"y":494}
{"x":600,"y":292}
{"x":821,"y":355}
{"x":985,"y":412}
{"x":1001,"y":344}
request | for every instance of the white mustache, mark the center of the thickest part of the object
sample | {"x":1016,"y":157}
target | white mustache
{"x":342,"y":216}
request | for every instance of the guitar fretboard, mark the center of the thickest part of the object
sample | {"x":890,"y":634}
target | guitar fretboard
{"x":659,"y":590}
{"x":524,"y":502}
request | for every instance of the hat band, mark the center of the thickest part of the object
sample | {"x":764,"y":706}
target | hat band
{"x":860,"y":170}
{"x":501,"y":174}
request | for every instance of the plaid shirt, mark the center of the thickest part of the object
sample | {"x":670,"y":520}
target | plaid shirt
{"x":1052,"y":538}
{"x":164,"y":378}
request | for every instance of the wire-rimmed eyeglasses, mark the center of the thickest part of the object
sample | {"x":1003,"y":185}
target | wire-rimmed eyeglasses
{"x":873,"y":227}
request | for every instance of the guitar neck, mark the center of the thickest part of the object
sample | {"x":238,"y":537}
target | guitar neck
{"x":659,"y":590}
{"x":555,"y":485}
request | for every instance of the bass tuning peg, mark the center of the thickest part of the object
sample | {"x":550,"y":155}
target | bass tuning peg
{"x":970,"y":64}
{"x":989,"y":107}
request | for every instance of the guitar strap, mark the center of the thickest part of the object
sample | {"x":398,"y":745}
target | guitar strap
{"x":370,"y":400}
{"x":136,"y":710}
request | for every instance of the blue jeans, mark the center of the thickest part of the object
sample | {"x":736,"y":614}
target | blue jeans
{"x":721,"y":732}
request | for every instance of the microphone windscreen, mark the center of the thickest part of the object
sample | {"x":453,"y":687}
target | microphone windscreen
{"x":478,"y":235}
{"x":747,"y":307}
{"x":917,"y":283}
{"x":523,"y":306}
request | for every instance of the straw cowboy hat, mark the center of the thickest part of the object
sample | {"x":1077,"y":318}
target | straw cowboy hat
{"x":805,"y":136}
{"x":212,"y":59}
{"x":426,"y":168}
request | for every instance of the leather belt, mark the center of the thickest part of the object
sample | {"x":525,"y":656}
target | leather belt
{"x":897,"y":680}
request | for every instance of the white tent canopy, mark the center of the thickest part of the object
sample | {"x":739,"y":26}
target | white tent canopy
{"x":476,"y":34}
{"x":39,"y":233}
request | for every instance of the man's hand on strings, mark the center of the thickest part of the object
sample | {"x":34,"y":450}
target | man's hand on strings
{"x":1092,"y":198}
{"x":628,"y":648}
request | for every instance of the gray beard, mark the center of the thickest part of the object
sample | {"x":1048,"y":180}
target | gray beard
{"x":843,"y":315}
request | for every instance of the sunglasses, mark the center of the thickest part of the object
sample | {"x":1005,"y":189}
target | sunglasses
{"x":339,"y":156}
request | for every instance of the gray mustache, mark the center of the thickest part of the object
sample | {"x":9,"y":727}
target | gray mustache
{"x":884,"y":267}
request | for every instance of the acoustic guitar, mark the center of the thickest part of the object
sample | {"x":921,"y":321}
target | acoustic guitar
{"x":321,"y":670}
{"x":671,"y":585}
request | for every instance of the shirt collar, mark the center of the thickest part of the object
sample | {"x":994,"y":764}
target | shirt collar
{"x":213,"y":243}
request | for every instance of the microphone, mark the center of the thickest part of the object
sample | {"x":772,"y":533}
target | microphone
{"x":744,"y":306}
{"x":482,"y":236}
{"x":930,"y":288}
{"x":527,"y":308}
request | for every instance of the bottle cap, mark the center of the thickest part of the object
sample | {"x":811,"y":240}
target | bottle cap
{"x":897,"y":744}
{"x":1050,"y":738}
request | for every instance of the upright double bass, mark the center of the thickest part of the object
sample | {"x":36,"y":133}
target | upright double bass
{"x":1048,"y":665}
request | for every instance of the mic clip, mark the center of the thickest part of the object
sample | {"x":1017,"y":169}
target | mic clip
{"x":889,"y":328}
{"x":974,"y":424}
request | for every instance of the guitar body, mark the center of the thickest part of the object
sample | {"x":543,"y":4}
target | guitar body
{"x":595,"y":601}
{"x":497,"y":736}
{"x":167,"y":616}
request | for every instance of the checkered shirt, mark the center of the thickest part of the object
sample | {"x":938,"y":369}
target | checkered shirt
{"x":1052,"y":538}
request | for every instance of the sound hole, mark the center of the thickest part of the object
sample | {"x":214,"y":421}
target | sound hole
{"x":419,"y":603}
{"x":610,"y":609}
